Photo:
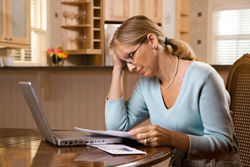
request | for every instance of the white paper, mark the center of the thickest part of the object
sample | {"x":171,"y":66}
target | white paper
{"x":118,"y":149}
{"x":108,"y":132}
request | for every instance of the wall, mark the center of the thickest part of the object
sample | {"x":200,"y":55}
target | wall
{"x":77,"y":97}
{"x":168,"y":18}
{"x":54,"y":19}
{"x":198,"y":28}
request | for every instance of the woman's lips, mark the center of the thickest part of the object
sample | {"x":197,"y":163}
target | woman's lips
{"x":140,"y":71}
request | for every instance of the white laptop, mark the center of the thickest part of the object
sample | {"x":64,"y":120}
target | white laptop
{"x":59,"y":138}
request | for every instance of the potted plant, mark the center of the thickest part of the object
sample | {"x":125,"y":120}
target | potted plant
{"x":57,"y":55}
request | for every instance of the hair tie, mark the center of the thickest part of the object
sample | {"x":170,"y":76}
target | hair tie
{"x":167,"y":41}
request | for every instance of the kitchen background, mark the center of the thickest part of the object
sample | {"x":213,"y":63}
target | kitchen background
{"x":74,"y":96}
{"x":198,"y":20}
{"x":55,"y":21}
{"x":58,"y":87}
{"x":69,"y":94}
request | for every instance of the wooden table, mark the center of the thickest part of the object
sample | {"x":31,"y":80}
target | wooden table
{"x":23,"y":147}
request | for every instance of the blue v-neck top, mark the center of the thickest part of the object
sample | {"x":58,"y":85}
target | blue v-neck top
{"x":201,"y":111}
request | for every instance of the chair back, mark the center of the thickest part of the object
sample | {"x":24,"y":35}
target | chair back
{"x":238,"y":86}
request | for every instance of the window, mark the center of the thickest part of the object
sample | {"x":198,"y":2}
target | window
{"x":35,"y":53}
{"x":231,"y":33}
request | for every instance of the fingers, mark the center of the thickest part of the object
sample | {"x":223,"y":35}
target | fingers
{"x":152,"y":141}
{"x":151,"y":135}
{"x":139,"y":130}
{"x":145,"y":129}
{"x":141,"y":133}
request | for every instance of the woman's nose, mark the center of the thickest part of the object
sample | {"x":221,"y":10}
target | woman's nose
{"x":131,"y":67}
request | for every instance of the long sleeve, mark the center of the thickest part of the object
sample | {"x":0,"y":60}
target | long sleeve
{"x":217,"y":140}
{"x":120,"y":115}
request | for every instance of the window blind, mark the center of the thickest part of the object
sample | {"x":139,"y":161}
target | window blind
{"x":37,"y":50}
{"x":231,"y":33}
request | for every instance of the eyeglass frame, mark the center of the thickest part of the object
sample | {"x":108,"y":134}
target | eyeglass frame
{"x":128,"y":60}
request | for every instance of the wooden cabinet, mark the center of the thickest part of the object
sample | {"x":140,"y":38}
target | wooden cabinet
{"x":121,"y":10}
{"x":83,"y":29}
{"x":182,"y":20}
{"x":15,"y":23}
{"x":118,"y":10}
{"x":150,"y":8}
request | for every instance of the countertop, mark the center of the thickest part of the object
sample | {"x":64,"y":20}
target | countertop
{"x":55,"y":67}
{"x":217,"y":67}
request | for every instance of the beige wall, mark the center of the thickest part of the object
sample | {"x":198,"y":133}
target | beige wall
{"x":54,"y":37}
{"x":77,"y":97}
{"x":198,"y":28}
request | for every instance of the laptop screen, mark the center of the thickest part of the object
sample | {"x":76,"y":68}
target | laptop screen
{"x":36,"y":111}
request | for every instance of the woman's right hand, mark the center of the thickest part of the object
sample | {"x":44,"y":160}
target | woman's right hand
{"x":118,"y":64}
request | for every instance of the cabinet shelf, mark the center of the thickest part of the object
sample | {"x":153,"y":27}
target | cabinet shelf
{"x":96,"y":7}
{"x":82,"y":2}
{"x":76,"y":26}
{"x":85,"y":51}
{"x":93,"y":30}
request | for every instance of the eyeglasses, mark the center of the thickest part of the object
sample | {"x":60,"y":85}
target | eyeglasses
{"x":130,"y":60}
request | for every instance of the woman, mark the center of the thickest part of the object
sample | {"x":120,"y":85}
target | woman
{"x":185,"y":100}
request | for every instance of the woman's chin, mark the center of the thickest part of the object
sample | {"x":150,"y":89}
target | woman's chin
{"x":146,"y":75}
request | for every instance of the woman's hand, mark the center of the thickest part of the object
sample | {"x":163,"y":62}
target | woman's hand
{"x":152,"y":135}
{"x":116,"y":61}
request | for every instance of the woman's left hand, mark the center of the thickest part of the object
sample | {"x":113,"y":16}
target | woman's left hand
{"x":152,"y":135}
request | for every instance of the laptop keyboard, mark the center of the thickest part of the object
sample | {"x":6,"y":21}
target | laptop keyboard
{"x":70,"y":135}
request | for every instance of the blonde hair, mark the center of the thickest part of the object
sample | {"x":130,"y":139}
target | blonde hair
{"x":135,"y":30}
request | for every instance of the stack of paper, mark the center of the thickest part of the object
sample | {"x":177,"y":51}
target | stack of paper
{"x":108,"y":132}
{"x":118,"y":149}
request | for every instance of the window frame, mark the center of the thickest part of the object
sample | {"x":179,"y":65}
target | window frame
{"x":211,"y":5}
{"x":43,"y":59}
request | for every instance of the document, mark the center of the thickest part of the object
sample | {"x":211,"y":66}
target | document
{"x":108,"y":132}
{"x":118,"y":149}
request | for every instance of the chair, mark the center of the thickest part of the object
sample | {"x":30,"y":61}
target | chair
{"x":238,"y":86}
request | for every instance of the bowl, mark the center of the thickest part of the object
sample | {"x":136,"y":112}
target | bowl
{"x":8,"y":61}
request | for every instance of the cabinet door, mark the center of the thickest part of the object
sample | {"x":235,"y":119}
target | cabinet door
{"x":18,"y":21}
{"x":3,"y":22}
{"x":149,"y":8}
{"x":118,"y":10}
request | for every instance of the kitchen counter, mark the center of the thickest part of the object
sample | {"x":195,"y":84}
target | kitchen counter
{"x":56,"y":67}
{"x":221,"y":67}
{"x":217,"y":67}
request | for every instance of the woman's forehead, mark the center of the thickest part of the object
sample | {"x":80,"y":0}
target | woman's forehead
{"x":123,"y":50}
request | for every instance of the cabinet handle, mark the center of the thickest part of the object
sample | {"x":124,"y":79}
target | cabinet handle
{"x":10,"y":39}
{"x":6,"y":38}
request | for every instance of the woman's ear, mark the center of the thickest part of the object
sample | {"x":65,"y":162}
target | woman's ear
{"x":153,"y":41}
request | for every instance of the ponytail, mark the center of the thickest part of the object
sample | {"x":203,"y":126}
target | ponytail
{"x":180,"y":49}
